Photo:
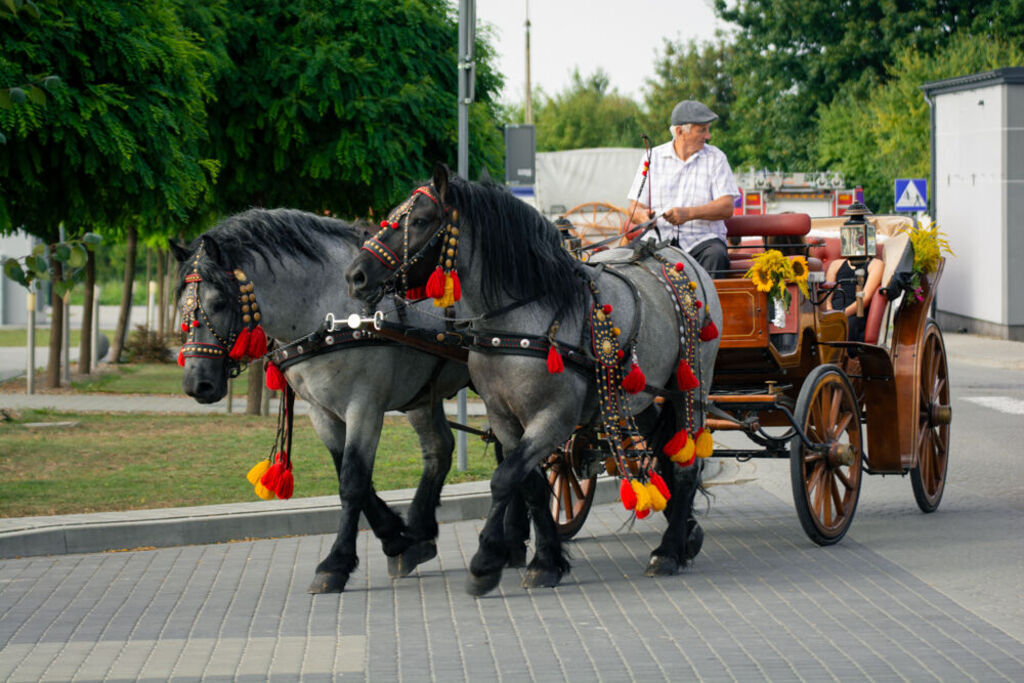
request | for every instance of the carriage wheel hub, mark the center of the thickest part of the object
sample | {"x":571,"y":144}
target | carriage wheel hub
{"x":940,"y":414}
{"x":842,"y":454}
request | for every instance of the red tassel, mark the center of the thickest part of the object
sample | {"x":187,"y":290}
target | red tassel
{"x":435,"y":284}
{"x":709,"y":331}
{"x":635,"y":381}
{"x":241,"y":346}
{"x":627,"y":494}
{"x":660,"y":484}
{"x":257,"y":342}
{"x":676,"y":443}
{"x":272,"y":477}
{"x":643,"y":513}
{"x":286,"y":486}
{"x":685,"y":377}
{"x":181,"y":357}
{"x":456,"y":286}
{"x":416,"y":293}
{"x":555,"y":364}
{"x":607,"y":308}
{"x":184,"y":327}
{"x":275,"y":379}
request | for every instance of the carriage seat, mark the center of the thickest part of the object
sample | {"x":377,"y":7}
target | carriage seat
{"x":768,"y":224}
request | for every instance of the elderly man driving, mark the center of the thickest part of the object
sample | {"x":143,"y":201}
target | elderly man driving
{"x":689,"y":187}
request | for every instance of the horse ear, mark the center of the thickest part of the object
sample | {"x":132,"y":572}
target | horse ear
{"x":179,"y":250}
{"x":211,"y":248}
{"x":485,"y":176}
{"x":440,"y":180}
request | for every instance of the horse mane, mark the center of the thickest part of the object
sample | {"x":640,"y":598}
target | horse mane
{"x":269,"y":234}
{"x":523,"y":250}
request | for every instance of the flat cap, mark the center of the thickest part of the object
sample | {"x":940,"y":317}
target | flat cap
{"x":691,"y":111}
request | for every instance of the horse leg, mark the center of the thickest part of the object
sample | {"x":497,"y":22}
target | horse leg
{"x":437,"y":444}
{"x":683,"y":538}
{"x":492,"y":552}
{"x":517,"y":523}
{"x":353,"y":462}
{"x":550,"y":561}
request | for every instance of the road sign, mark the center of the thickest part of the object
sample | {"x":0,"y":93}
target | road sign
{"x":911,"y":194}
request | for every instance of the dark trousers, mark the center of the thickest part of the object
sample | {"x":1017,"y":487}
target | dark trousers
{"x":712,"y":256}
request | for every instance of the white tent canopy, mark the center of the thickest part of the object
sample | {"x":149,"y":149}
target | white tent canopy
{"x":569,"y":178}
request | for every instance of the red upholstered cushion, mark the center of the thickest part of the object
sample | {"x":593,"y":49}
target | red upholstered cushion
{"x":769,"y":224}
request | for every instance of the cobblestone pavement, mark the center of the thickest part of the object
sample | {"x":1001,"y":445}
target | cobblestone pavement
{"x":761,"y":602}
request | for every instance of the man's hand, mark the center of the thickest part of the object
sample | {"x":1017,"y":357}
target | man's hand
{"x":678,"y":215}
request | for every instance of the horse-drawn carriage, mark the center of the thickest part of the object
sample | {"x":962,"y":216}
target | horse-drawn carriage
{"x":627,"y":379}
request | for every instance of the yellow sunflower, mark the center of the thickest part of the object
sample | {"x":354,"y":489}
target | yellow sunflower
{"x":800,"y":271}
{"x":760,"y":278}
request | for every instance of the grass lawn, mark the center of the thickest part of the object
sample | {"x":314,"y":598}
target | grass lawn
{"x":128,"y":462}
{"x":148,"y":378}
{"x":19,"y":337}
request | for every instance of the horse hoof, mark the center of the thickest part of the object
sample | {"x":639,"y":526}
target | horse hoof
{"x":328,"y":582}
{"x":402,"y":564}
{"x":541,"y":578}
{"x":662,"y":566}
{"x":516,"y":557}
{"x":477,"y":585}
{"x":694,"y":541}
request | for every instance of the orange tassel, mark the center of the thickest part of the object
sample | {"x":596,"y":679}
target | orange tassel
{"x":240,"y":348}
{"x":686,"y":456}
{"x":257,"y":342}
{"x":676,"y":443}
{"x":685,"y":377}
{"x":275,"y":378}
{"x":181,"y":357}
{"x":709,"y":331}
{"x":627,"y":495}
{"x":705,"y":444}
{"x":635,"y":381}
{"x":286,"y":486}
{"x":435,"y":284}
{"x":660,"y":484}
{"x":555,"y":364}
{"x":456,"y":286}
{"x":643,"y":499}
{"x":658,"y":501}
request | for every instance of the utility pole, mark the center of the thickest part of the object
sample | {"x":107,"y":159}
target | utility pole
{"x":529,"y":91}
{"x":467,"y":79}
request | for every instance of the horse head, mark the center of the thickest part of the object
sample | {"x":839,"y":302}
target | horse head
{"x":418,"y":239}
{"x":220,"y":320}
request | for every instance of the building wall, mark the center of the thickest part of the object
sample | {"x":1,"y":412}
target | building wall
{"x":970,"y":201}
{"x":12,"y":295}
{"x":1014,"y":157}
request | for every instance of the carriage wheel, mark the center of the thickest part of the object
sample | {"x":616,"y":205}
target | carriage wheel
{"x":934,"y":414}
{"x":571,"y":497}
{"x":826,"y":478}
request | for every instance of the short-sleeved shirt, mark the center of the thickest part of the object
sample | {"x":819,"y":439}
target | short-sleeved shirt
{"x":702,"y":178}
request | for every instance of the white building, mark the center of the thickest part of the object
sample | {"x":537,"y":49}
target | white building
{"x":978,"y":199}
{"x":13,"y":296}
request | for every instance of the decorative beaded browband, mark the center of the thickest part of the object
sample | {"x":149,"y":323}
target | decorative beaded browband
{"x":248,"y":343}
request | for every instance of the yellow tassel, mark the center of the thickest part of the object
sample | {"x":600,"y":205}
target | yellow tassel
{"x":256,"y":473}
{"x":643,"y":499}
{"x":658,"y":501}
{"x":263,"y":492}
{"x":449,"y":293}
{"x":685,"y":454}
{"x":705,"y":444}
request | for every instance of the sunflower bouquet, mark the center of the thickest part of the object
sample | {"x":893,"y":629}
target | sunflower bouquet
{"x":929,"y":245}
{"x":771,"y":271}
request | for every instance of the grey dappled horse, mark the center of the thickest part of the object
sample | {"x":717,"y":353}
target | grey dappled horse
{"x":295,"y":263}
{"x":516,"y":278}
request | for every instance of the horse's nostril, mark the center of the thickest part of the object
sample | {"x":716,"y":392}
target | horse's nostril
{"x":356,"y":280}
{"x":204,"y":389}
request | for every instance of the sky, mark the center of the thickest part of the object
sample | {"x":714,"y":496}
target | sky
{"x":623,"y":37}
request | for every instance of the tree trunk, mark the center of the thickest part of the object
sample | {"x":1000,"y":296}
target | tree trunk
{"x":161,"y":296}
{"x":85,"y":345}
{"x":255,"y":395}
{"x":56,"y":328}
{"x":131,"y":244}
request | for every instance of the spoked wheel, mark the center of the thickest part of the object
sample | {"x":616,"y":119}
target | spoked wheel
{"x":826,"y":477}
{"x":934,"y":415}
{"x":571,"y":497}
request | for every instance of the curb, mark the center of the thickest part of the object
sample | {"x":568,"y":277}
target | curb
{"x":161,"y":528}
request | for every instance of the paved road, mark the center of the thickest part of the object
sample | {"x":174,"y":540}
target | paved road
{"x":905,"y":596}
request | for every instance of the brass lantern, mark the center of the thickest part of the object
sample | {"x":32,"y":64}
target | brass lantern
{"x":858,"y":234}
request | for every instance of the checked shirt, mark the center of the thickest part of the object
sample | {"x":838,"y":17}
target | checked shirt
{"x":702,"y":178}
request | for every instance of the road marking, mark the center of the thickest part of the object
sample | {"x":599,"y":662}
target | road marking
{"x":1004,"y":404}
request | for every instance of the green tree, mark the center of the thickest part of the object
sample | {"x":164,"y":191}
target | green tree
{"x":587,"y":114}
{"x":340,"y":105}
{"x":691,"y":71}
{"x":878,"y":131}
{"x":121,"y":136}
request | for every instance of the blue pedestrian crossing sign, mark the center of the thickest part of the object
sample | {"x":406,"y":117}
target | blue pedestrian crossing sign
{"x":911,"y":194}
